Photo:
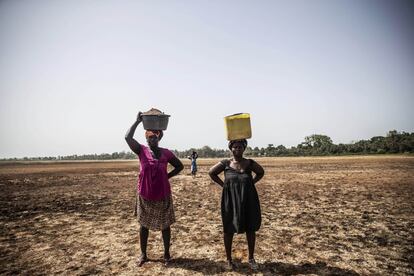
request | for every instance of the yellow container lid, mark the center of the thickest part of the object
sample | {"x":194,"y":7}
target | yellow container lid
{"x":238,"y":116}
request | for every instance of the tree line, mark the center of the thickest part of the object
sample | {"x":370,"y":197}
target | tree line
{"x":322,"y":145}
{"x":313,"y":145}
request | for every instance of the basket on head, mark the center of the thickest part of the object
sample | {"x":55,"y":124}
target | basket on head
{"x":154,"y":119}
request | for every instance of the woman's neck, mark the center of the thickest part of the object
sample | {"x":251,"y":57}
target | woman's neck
{"x":154,"y":148}
{"x":238,"y":158}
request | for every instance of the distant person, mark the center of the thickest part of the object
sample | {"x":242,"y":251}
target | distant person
{"x":240,"y":207}
{"x":154,"y":204}
{"x":193,"y":157}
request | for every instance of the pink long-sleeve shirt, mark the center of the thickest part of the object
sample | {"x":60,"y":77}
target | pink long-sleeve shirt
{"x":153,"y":181}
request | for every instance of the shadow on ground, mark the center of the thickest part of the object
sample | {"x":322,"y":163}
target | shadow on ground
{"x":210,"y":267}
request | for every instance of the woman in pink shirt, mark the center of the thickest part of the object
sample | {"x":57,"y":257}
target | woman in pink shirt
{"x":155,"y":206}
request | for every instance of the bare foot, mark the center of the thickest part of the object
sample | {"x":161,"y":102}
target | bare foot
{"x":167,"y":259}
{"x":253,"y":264}
{"x":230,"y":265}
{"x":142,"y":260}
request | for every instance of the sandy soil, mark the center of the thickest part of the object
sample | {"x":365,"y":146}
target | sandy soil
{"x":321,"y":216}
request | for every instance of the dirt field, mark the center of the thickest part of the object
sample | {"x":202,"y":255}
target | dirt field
{"x":320,"y":216}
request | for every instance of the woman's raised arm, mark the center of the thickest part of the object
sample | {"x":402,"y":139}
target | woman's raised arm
{"x":129,"y":136}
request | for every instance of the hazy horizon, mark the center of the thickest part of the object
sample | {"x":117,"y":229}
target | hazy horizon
{"x":74,"y":74}
{"x":144,"y":143}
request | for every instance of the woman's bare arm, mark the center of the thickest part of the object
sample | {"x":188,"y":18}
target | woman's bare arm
{"x":258,"y":170}
{"x":215,"y":171}
{"x":178,"y":167}
{"x":129,"y":137}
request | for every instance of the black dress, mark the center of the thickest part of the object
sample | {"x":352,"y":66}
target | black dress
{"x":240,"y":206}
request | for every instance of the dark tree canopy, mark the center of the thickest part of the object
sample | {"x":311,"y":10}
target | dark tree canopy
{"x":313,"y":145}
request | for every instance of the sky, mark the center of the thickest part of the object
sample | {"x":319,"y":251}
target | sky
{"x":74,"y":74}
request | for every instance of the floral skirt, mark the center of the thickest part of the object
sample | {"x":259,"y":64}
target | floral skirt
{"x":155,"y":215}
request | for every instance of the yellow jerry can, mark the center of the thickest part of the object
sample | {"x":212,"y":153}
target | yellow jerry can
{"x":238,"y":126}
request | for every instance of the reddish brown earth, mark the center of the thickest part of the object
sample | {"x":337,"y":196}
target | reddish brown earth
{"x":321,"y":216}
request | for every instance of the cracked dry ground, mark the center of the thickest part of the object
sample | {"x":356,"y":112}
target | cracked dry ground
{"x":321,"y":216}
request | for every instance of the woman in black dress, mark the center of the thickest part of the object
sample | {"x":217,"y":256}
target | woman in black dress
{"x":240,"y":207}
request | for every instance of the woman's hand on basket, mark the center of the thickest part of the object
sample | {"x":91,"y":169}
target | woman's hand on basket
{"x":139,"y":117}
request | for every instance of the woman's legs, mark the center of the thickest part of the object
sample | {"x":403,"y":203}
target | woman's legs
{"x":143,"y":239}
{"x":166,"y":237}
{"x":251,"y":240}
{"x":228,"y":240}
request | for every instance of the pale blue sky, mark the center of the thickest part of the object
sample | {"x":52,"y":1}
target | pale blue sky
{"x":73,"y":74}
